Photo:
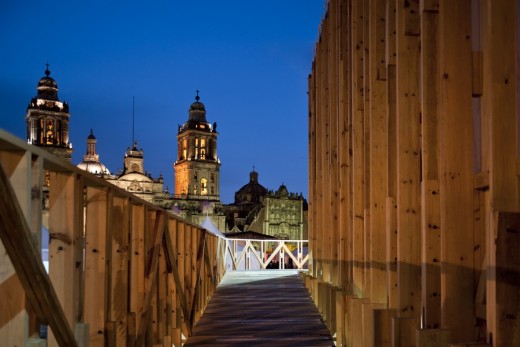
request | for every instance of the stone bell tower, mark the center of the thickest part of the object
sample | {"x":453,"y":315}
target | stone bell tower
{"x":47,"y":119}
{"x":197,"y":166}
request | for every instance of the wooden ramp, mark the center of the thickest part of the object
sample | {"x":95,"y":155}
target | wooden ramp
{"x":261,"y":308}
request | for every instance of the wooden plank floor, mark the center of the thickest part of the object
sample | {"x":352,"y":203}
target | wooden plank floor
{"x":261,"y":308}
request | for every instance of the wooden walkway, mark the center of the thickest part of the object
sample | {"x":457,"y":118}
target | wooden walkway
{"x":261,"y":308}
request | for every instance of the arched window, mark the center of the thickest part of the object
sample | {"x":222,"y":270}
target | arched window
{"x":204,"y":186}
{"x":184,"y":149}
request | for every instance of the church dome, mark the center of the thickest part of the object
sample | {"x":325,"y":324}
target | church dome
{"x":135,"y":177}
{"x":47,"y":87}
{"x":197,"y":111}
{"x":253,"y":192}
{"x":94,"y":167}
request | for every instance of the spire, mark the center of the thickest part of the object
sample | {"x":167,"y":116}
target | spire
{"x":133,"y":119}
{"x":47,"y":71}
{"x":197,"y":98}
{"x":91,"y":147}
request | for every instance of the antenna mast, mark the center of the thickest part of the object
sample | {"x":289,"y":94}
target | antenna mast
{"x":133,"y":119}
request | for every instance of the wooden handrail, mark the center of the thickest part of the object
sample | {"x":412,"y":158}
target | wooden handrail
{"x":115,"y":257}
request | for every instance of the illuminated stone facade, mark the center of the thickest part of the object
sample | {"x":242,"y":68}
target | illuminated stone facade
{"x":47,"y":119}
{"x":279,"y":214}
{"x":136,"y":180}
{"x":197,"y":169}
{"x":196,"y":172}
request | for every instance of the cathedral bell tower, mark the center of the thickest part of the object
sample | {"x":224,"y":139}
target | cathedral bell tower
{"x":197,"y":167}
{"x":47,"y":119}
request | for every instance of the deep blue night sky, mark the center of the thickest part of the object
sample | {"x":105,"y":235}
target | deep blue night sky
{"x":249,"y":59}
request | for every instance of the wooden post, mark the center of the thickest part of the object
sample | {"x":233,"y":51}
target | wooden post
{"x":96,"y":228}
{"x":408,"y":166}
{"x":344,"y":126}
{"x":311,"y":222}
{"x":137,"y":266}
{"x":378,"y":149}
{"x":119,"y":285}
{"x":65,"y":228}
{"x":456,"y":178}
{"x":391,"y":201}
{"x":334,"y":139}
{"x":500,"y":117}
{"x":430,"y":203}
{"x":358,"y":191}
{"x":505,"y":272}
{"x":318,"y":237}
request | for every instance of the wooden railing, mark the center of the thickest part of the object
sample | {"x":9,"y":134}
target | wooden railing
{"x":247,"y":254}
{"x":122,"y":272}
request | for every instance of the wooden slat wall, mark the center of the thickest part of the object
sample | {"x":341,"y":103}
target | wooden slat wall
{"x":116,"y":277}
{"x":420,"y":101}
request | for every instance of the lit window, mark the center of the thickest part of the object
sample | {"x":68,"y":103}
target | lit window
{"x":202,"y":153}
{"x":204,"y":186}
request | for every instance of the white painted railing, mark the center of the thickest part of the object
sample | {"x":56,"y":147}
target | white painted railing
{"x":253,"y":254}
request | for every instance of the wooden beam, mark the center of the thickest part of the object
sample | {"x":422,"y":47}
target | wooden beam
{"x":198,"y":267}
{"x":151,"y":275}
{"x":173,"y":260}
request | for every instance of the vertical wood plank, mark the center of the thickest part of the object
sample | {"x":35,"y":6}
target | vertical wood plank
{"x":378,"y":149}
{"x":358,"y":191}
{"x":312,"y":229}
{"x":344,"y":127}
{"x":506,"y":332}
{"x":96,"y":228}
{"x":430,"y":203}
{"x":500,"y":117}
{"x":137,"y":265}
{"x":119,"y":285}
{"x":334,"y":138}
{"x":456,"y":170}
{"x":408,"y":161}
{"x":64,"y":228}
{"x":391,"y":201}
